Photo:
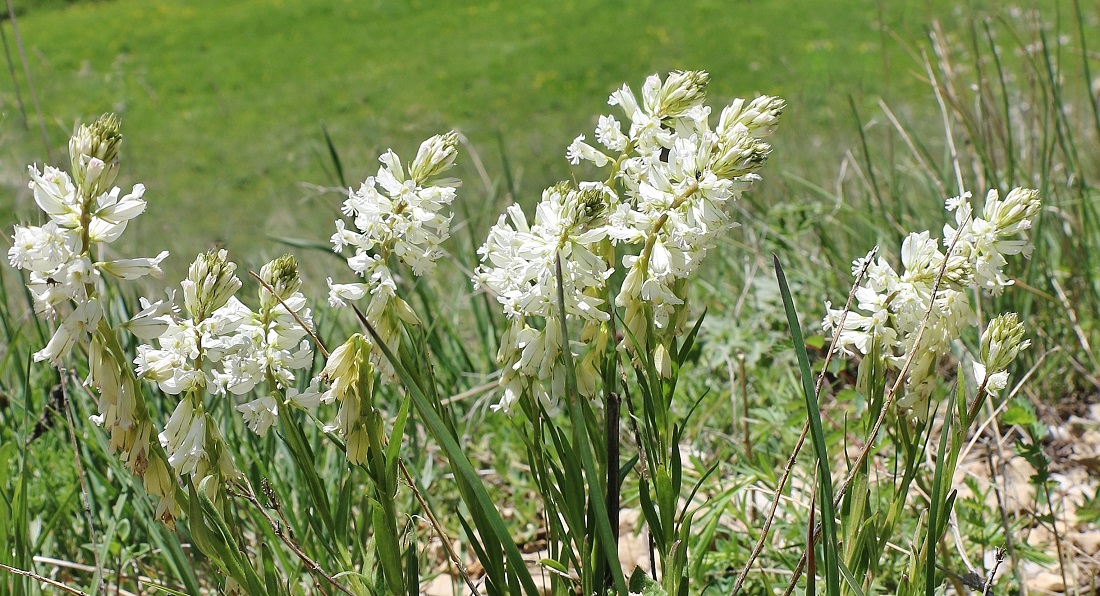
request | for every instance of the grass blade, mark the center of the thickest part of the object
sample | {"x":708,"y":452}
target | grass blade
{"x":817,"y":433}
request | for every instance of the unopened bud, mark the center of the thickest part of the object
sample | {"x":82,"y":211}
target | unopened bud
{"x":93,"y":150}
{"x":759,"y":118}
{"x":1002,"y":342}
{"x":682,"y":90}
{"x":281,"y":276}
{"x":436,"y":155}
{"x":210,"y":283}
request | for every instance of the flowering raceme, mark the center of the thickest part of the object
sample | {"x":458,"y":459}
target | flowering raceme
{"x":670,"y":179}
{"x":65,"y":273}
{"x":398,"y":216}
{"x":182,"y":365}
{"x":892,"y":306}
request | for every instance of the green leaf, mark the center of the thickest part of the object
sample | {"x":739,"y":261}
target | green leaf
{"x":1019,"y":412}
{"x":213,"y":537}
{"x":816,"y":342}
{"x":640,"y":583}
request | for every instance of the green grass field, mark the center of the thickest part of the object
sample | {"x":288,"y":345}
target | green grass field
{"x":223,"y":103}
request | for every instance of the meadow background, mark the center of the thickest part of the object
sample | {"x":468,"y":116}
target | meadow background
{"x":224,"y":105}
{"x":245,"y":120}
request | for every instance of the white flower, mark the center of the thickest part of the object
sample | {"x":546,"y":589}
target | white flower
{"x":339,"y":294}
{"x":579,"y":150}
{"x":184,"y":438}
{"x":610,"y":134}
{"x":310,"y":398}
{"x":260,"y":414}
{"x":129,"y":269}
{"x":79,"y":323}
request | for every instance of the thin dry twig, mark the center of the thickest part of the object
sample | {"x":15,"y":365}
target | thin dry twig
{"x":140,"y":579}
{"x":316,"y":340}
{"x":43,"y":579}
{"x":946,"y":124}
{"x":913,"y":148}
{"x":988,"y":589}
{"x":1077,"y":330}
{"x":84,"y":495}
{"x":439,"y":530}
{"x":245,"y":490}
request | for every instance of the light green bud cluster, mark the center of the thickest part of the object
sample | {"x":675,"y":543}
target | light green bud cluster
{"x":94,"y":150}
{"x":681,"y":91}
{"x":281,"y":275}
{"x":210,"y":283}
{"x":436,"y":155}
{"x":1002,"y":342}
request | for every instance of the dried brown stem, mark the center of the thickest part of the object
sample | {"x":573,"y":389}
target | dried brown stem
{"x":439,"y":530}
{"x":314,"y":567}
{"x":43,"y":579}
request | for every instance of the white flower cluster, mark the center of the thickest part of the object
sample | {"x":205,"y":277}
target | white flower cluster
{"x":270,"y":345}
{"x":191,"y":437}
{"x":520,"y":267}
{"x":891,"y":306}
{"x":397,"y":214}
{"x":224,"y":348}
{"x":676,"y":175}
{"x":85,"y":212}
{"x":60,"y":255}
{"x":1001,"y":343}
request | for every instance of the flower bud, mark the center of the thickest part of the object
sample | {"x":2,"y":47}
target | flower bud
{"x":738,"y":156}
{"x":759,"y":118}
{"x":280,"y":275}
{"x":1001,"y":342}
{"x":93,"y":150}
{"x":210,"y":283}
{"x":683,"y":89}
{"x":357,"y":443}
{"x":436,"y":155}
{"x":1014,"y":214}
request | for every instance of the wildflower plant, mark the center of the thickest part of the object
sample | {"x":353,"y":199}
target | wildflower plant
{"x":892,"y":308}
{"x":647,"y":226}
{"x":66,"y":278}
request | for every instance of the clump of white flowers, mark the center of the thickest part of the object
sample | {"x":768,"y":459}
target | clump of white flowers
{"x":398,"y":216}
{"x":84,"y":212}
{"x":183,"y":363}
{"x":519,"y":266}
{"x":65,"y":265}
{"x":664,"y":200}
{"x":891,"y":306}
{"x":270,"y":345}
